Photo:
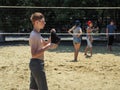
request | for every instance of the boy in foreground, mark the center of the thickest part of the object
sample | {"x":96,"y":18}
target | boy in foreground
{"x":38,"y":47}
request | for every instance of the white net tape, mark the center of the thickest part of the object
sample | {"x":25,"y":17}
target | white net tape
{"x":60,"y":7}
{"x":60,"y":34}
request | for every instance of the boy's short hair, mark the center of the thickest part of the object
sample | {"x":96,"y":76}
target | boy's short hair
{"x":36,"y":16}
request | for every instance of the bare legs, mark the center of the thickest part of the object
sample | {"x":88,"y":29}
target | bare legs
{"x":86,"y":50}
{"x":109,"y":48}
{"x":89,"y":46}
{"x":76,"y":50}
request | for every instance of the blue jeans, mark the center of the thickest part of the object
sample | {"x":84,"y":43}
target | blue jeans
{"x":38,"y":78}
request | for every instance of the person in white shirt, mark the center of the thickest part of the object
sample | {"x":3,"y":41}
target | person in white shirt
{"x":76,"y":32}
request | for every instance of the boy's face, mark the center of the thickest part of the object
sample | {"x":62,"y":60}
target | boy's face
{"x":40,"y":24}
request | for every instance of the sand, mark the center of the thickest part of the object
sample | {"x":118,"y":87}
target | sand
{"x":99,"y":72}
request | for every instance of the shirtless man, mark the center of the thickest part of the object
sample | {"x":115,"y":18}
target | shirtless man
{"x":38,"y":46}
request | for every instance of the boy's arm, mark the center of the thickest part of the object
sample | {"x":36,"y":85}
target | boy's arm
{"x":37,"y":53}
{"x":107,"y":32}
{"x":46,"y":42}
{"x":95,"y":29}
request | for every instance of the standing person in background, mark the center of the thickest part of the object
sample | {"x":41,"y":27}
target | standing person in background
{"x":38,"y":46}
{"x":76,"y":32}
{"x":89,"y":37}
{"x":110,"y":33}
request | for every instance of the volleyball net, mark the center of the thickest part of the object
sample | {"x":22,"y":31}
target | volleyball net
{"x":15,"y":20}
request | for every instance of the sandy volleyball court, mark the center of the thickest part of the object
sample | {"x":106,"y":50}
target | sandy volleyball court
{"x":100,"y":72}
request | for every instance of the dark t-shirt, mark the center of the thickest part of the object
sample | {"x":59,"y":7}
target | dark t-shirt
{"x":111,"y":29}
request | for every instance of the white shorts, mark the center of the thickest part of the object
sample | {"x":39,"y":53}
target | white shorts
{"x":89,"y":44}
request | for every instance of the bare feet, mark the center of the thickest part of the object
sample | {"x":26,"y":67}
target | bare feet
{"x":74,"y":61}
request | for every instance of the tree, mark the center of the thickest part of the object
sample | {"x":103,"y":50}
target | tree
{"x":14,"y":19}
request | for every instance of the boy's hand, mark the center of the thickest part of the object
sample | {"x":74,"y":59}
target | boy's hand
{"x":106,"y":35}
{"x":53,"y":46}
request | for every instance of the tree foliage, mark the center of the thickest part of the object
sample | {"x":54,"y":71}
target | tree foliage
{"x":13,"y":19}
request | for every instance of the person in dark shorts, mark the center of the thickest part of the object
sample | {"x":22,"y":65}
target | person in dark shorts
{"x":110,"y":33}
{"x":38,"y":46}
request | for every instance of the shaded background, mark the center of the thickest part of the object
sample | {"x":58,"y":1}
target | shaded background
{"x":17,"y":19}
